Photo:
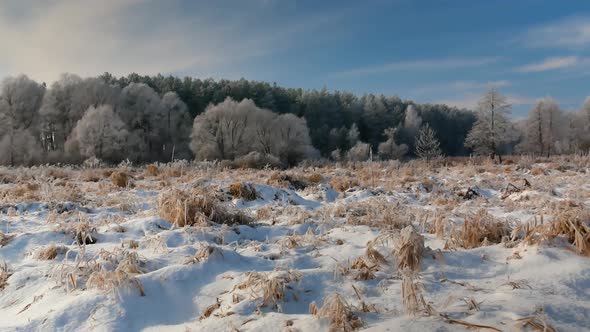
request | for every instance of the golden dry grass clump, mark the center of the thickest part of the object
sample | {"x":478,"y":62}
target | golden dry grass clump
{"x":272,"y":285}
{"x":50,"y":252}
{"x":572,"y":224}
{"x":182,"y":208}
{"x":120,"y":179}
{"x":5,"y":239}
{"x":409,"y":249}
{"x":126,"y":266}
{"x":152,"y":170}
{"x":379,"y":213}
{"x":479,"y":229}
{"x":343,"y":183}
{"x":83,"y":232}
{"x":287,"y":180}
{"x":338,"y":312}
{"x":4,"y":275}
{"x":204,"y":254}
{"x":243,"y":190}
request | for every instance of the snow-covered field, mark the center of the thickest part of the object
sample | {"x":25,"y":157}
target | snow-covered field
{"x":310,"y":248}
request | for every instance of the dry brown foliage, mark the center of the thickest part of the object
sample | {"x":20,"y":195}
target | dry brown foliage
{"x":409,"y":249}
{"x":4,"y":275}
{"x":338,"y":312}
{"x":185,"y":209}
{"x":50,"y":252}
{"x":272,"y":285}
{"x":537,"y":322}
{"x":5,"y":239}
{"x":343,"y":183}
{"x":572,"y":224}
{"x":120,"y":179}
{"x":118,"y":270}
{"x":477,"y":230}
{"x":243,"y":190}
{"x":198,"y":208}
{"x":152,"y":170}
{"x":204,"y":254}
{"x":287,"y":180}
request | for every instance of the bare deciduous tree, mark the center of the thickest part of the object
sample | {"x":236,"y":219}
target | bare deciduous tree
{"x":492,"y":128}
{"x":20,"y":100}
{"x":390,"y":149}
{"x":544,"y":129}
{"x":359,"y":152}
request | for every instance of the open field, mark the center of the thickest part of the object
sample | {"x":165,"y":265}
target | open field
{"x":446,"y":246}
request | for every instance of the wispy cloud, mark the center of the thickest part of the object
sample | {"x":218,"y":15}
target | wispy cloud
{"x":45,"y":38}
{"x":419,"y":65}
{"x":552,"y":63}
{"x":572,"y":32}
{"x":456,"y":87}
{"x":469,"y":101}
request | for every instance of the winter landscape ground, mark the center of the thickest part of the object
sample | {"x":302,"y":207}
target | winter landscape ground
{"x":450,"y":245}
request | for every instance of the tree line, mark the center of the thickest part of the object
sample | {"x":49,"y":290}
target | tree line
{"x":157,"y":118}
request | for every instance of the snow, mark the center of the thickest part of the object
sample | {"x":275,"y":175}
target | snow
{"x":551,"y":277}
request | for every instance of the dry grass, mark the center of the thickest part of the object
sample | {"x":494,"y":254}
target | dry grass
{"x":478,"y":230}
{"x":5,"y":239}
{"x":152,"y":170}
{"x":571,"y":224}
{"x":198,"y":208}
{"x":409,"y":249}
{"x":243,"y":190}
{"x":83,"y":233}
{"x":184,"y":209}
{"x":343,"y":183}
{"x":287,"y":180}
{"x":118,"y":269}
{"x":272,"y":285}
{"x":50,"y":252}
{"x":378,"y":212}
{"x":4,"y":275}
{"x":338,"y":312}
{"x":120,"y":179}
{"x":204,"y":254}
{"x":537,"y":322}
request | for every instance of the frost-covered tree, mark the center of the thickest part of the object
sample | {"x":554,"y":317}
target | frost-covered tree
{"x":140,"y":108}
{"x":412,"y":121}
{"x":20,"y":100}
{"x":427,"y":144}
{"x":292,"y":143}
{"x":544,"y":129}
{"x":352,"y":136}
{"x":263,"y":131}
{"x":58,"y":102}
{"x":233,"y":129}
{"x":177,"y":127}
{"x":100,"y":133}
{"x":221,"y":131}
{"x":64,"y":105}
{"x":492,"y":129}
{"x":390,"y":149}
{"x":360,"y":152}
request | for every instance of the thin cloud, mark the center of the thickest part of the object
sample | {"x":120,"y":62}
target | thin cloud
{"x":552,"y":63}
{"x":460,"y":87}
{"x":419,"y":65}
{"x":45,"y":38}
{"x":469,"y":101}
{"x":572,"y":32}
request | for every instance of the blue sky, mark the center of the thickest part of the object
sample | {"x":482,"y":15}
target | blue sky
{"x":427,"y":51}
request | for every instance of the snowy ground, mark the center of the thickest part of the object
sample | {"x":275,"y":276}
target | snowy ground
{"x":303,"y":240}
